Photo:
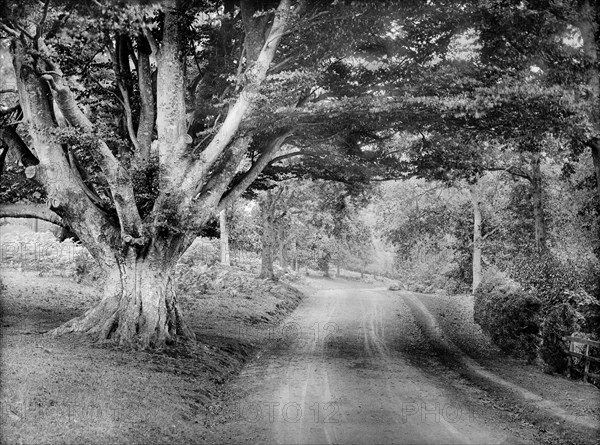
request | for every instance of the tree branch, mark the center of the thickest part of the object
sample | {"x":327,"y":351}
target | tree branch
{"x":38,"y":211}
{"x":40,"y":26}
{"x":64,"y":194}
{"x":147,"y":113}
{"x":510,"y":170}
{"x":151,"y":41}
{"x":263,"y":160}
{"x":289,"y":155}
{"x":117,"y":177}
{"x":171,"y":117}
{"x":254,"y":78}
{"x":218,"y":183}
{"x":9,"y":30}
{"x":115,"y":55}
{"x":294,"y":154}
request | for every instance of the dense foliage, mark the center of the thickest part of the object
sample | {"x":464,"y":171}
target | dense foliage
{"x":508,"y":314}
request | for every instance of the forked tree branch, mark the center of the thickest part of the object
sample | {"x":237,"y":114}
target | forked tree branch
{"x":255,"y":75}
{"x":250,"y":176}
{"x":117,"y":177}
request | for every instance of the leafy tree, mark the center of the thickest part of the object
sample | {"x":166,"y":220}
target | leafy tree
{"x":188,"y":84}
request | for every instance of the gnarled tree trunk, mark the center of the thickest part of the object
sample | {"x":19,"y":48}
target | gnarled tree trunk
{"x":139,"y":306}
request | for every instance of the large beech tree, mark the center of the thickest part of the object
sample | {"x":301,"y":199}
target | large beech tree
{"x":196,"y":153}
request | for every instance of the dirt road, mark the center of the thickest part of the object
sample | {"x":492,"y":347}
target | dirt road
{"x":354,"y":365}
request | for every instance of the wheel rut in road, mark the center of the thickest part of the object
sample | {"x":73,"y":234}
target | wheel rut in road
{"x":341,"y":376}
{"x":444,"y":347}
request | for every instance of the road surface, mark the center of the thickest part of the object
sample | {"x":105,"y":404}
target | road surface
{"x":350,"y":368}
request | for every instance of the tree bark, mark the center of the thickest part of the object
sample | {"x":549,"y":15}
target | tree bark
{"x":285,"y":262}
{"x":255,"y":30}
{"x":254,"y":76}
{"x":250,"y":176}
{"x":282,"y":246}
{"x":147,"y":106}
{"x":538,"y":206}
{"x":171,"y":118}
{"x":589,"y":34}
{"x":295,"y":255}
{"x":224,"y":228}
{"x":139,"y":307}
{"x":35,"y":211}
{"x":64,"y":194}
{"x":268,"y":236}
{"x":477,"y":237}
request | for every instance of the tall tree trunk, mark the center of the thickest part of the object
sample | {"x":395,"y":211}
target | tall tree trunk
{"x":268,"y":237}
{"x":285,"y":262}
{"x":139,"y":306}
{"x":224,"y":228}
{"x":477,"y":237}
{"x":296,"y":255}
{"x":538,"y":206}
{"x":282,"y":253}
{"x":589,"y":35}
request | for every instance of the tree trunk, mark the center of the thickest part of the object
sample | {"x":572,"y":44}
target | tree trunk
{"x":139,"y":307}
{"x":477,"y":237}
{"x":282,"y":253}
{"x":285,"y":262}
{"x":589,"y":35}
{"x":596,"y":159}
{"x":295,"y":255}
{"x":224,"y":228}
{"x":538,"y":207}
{"x":268,"y":236}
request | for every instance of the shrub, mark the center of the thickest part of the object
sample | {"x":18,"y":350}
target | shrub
{"x":508,"y":314}
{"x":550,"y":278}
{"x":576,"y":315}
{"x":565,"y":290}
